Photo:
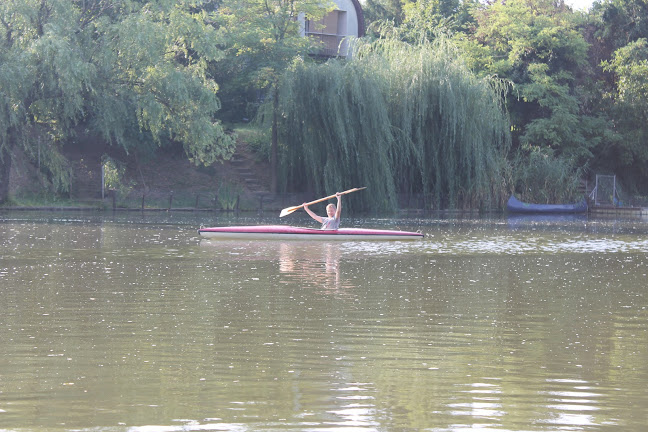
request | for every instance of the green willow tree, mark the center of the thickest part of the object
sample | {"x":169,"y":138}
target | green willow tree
{"x":130,"y":72}
{"x":265,"y":38}
{"x":335,"y":132}
{"x":397,"y":118}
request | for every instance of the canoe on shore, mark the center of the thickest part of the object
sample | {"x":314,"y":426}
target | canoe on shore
{"x":516,"y":206}
{"x":284,"y":232}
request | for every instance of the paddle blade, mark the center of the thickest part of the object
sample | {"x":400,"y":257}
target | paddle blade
{"x":289,"y":210}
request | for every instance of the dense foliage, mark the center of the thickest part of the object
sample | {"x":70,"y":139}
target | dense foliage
{"x":131,"y":73}
{"x":460,"y":101}
{"x":536,"y":45}
{"x":572,"y":74}
{"x":399,"y":118}
{"x":263,"y":38}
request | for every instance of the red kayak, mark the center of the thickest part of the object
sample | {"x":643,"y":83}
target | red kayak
{"x":283,"y":232}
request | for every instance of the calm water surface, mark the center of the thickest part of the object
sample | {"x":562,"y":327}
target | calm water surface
{"x":133,"y":323}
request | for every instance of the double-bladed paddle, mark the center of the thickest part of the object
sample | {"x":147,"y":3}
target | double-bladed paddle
{"x":288,"y":210}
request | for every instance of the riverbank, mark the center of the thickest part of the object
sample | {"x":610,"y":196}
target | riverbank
{"x":164,"y":180}
{"x":167,"y":181}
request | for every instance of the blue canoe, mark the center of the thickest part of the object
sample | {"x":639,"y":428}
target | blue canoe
{"x":514,"y":205}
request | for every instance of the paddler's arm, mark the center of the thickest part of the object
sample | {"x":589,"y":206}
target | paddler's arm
{"x":338,"y":211}
{"x":311,"y":214}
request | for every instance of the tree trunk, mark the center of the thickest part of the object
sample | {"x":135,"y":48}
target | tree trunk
{"x":275,"y":141}
{"x":5,"y":171}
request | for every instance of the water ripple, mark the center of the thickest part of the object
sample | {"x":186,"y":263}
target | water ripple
{"x":504,"y":244}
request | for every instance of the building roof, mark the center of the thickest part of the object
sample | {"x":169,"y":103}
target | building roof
{"x":360,"y":14}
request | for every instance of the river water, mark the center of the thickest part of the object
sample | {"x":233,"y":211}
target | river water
{"x":131,"y":322}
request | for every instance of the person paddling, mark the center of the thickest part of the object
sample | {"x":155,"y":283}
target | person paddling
{"x":332,"y":222}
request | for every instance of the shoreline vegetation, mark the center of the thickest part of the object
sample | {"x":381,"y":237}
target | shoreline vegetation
{"x":448,"y":106}
{"x":166,"y":181}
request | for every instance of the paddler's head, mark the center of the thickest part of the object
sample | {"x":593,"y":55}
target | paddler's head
{"x":330,"y":210}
